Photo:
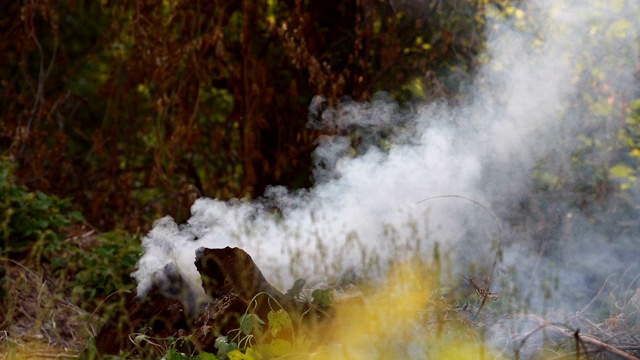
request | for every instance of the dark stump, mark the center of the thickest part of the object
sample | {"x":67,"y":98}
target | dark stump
{"x":234,"y":284}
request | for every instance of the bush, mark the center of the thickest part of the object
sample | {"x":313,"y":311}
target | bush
{"x":93,"y":275}
{"x":87,"y":267}
{"x":30,"y":221}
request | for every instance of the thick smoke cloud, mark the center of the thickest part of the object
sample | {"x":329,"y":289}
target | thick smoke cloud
{"x":364,"y":212}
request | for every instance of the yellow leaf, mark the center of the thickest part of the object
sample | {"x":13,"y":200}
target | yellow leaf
{"x":280,"y":347}
{"x":620,"y":28}
{"x":302,"y":343}
{"x":250,"y":354}
{"x":235,"y":355}
{"x":621,"y":171}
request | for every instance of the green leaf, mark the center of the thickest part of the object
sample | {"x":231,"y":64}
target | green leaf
{"x":224,"y":346}
{"x":206,"y":356}
{"x":76,"y":215}
{"x":245,"y":324}
{"x":250,"y":321}
{"x":323,"y":298}
{"x":173,"y":354}
{"x":138,"y":339}
{"x":279,"y":320}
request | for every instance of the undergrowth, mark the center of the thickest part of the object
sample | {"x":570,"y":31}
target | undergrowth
{"x":57,"y":272}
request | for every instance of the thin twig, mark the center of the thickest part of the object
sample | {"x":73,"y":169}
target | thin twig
{"x":499,"y":250}
{"x":42,"y":78}
{"x":586,"y":339}
{"x":526,"y":337}
{"x":102,"y":302}
{"x":626,"y":302}
{"x":595,"y":297}
{"x":44,"y":355}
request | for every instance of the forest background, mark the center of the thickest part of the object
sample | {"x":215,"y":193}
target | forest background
{"x":115,"y":113}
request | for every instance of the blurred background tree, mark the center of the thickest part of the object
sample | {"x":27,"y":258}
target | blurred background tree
{"x":133,"y":109}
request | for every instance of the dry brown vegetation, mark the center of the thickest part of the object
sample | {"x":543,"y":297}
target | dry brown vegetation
{"x":38,"y":320}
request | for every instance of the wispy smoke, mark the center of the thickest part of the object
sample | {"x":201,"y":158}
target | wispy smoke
{"x":363,"y":212}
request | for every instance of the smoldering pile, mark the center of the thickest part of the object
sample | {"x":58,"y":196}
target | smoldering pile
{"x":171,"y":309}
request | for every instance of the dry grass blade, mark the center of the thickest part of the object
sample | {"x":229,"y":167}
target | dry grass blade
{"x":36,"y":321}
{"x":579,"y":313}
{"x":484,"y":293}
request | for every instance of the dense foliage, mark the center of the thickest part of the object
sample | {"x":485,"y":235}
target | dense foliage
{"x":134,"y":109}
{"x":42,"y":231}
{"x":30,"y":218}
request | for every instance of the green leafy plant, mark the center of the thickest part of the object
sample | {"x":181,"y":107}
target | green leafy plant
{"x":88,"y":267}
{"x":172,"y":348}
{"x":322,"y":297}
{"x":252,"y":341}
{"x":30,"y":221}
{"x":93,"y":273}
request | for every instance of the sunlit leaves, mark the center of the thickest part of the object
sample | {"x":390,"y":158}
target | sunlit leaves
{"x":279,"y":321}
{"x":280,"y":347}
{"x":620,"y":28}
{"x":625,"y":174}
{"x":621,"y":171}
{"x":249,"y":354}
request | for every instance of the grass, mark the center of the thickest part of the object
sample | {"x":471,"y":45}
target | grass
{"x":38,"y":321}
{"x":418,"y":310}
{"x":403,"y":315}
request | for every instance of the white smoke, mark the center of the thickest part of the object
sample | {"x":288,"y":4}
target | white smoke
{"x":363,"y":210}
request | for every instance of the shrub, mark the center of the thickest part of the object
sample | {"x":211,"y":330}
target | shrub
{"x":30,"y":221}
{"x":92,"y":275}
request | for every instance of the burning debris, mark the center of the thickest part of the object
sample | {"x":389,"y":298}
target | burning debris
{"x":233,"y":285}
{"x":246,"y":316}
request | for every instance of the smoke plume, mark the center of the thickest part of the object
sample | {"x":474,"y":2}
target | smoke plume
{"x":523,"y":116}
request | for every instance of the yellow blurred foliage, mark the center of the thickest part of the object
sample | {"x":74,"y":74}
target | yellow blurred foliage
{"x":395,"y":322}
